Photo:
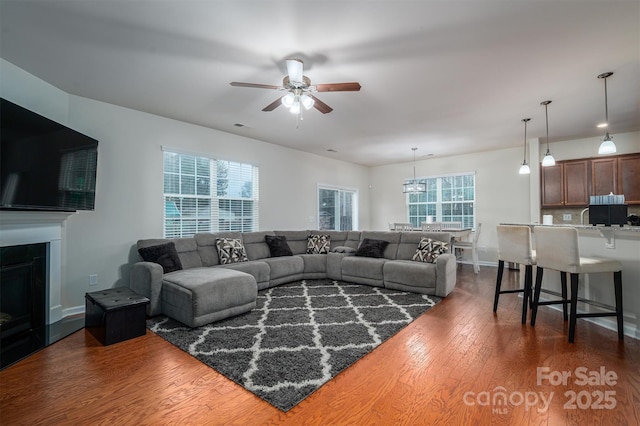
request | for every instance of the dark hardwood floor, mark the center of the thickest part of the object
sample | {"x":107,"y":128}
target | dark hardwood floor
{"x":452,"y":366}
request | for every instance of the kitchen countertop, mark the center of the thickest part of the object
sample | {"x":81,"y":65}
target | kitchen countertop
{"x":617,"y":228}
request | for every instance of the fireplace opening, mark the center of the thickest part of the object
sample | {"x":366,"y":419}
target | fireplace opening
{"x":23,"y":284}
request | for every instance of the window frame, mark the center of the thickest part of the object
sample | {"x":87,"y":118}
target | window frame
{"x":439,"y":214}
{"x":340,"y":190}
{"x":205,"y":200}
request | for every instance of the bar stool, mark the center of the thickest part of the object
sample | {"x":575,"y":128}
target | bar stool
{"x":514,"y":245}
{"x":557,"y":249}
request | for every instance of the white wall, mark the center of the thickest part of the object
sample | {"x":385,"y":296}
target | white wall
{"x":129,"y":201}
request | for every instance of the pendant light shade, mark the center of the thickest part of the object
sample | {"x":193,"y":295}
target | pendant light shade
{"x":607,"y":146}
{"x":524,"y":168}
{"x":548,"y":159}
{"x":414,"y":186}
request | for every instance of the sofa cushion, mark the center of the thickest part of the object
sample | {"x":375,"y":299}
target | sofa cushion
{"x":282,"y":267}
{"x":255,"y":244}
{"x":428,"y":250}
{"x":259,"y":269}
{"x":372,"y":248}
{"x":230,"y":250}
{"x":314,"y":263}
{"x":163,"y":254}
{"x":364,"y":270}
{"x":318,"y":244}
{"x":278,"y":245}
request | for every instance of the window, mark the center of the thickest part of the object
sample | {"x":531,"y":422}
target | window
{"x":337,"y":209}
{"x":207,"y":195}
{"x":449,"y":198}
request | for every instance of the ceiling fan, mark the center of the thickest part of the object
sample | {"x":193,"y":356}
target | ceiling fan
{"x":300,"y":90}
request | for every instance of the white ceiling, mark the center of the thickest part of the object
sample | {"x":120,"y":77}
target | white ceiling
{"x":447,"y":77}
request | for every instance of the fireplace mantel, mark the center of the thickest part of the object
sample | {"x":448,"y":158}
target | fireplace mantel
{"x":31,"y":227}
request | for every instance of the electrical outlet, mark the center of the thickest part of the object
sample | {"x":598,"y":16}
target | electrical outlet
{"x":566,"y":217}
{"x":93,"y":279}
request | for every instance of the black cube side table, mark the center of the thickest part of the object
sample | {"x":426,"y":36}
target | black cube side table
{"x":115,"y":314}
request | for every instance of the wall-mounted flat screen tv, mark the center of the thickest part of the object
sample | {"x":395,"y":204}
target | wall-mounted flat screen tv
{"x":43,"y":164}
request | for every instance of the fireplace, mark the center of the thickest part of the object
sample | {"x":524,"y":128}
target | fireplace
{"x":42,"y":229}
{"x":23,"y":287}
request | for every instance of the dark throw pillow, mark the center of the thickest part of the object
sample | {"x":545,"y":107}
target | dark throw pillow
{"x":165,"y":255}
{"x":278,"y":245}
{"x":318,"y":244}
{"x":428,"y":250}
{"x":372,"y":248}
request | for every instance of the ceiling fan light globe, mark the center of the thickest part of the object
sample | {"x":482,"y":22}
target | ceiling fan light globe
{"x":295,"y":108}
{"x":288,"y":99}
{"x":307,"y":101}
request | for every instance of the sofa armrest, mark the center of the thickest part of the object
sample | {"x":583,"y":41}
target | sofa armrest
{"x":446,"y":268}
{"x":146,"y":280}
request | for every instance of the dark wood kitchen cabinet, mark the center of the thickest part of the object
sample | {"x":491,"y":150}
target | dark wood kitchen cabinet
{"x":620,"y":175}
{"x":604,"y":176}
{"x":629,"y":178}
{"x":566,"y":184}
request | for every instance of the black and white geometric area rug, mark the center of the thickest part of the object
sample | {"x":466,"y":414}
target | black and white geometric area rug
{"x":298,"y":337}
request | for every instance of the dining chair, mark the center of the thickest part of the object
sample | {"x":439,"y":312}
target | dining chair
{"x":451,"y":225}
{"x":473,"y":246}
{"x":557,"y":248}
{"x":431,"y":226}
{"x":514,"y":245}
{"x":398,"y":226}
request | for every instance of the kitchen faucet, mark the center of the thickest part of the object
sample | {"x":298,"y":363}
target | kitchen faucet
{"x":582,"y":215}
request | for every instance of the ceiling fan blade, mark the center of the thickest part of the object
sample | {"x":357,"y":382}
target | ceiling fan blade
{"x":273,"y":105}
{"x":259,"y":86}
{"x":295,"y":70}
{"x":319,"y":105}
{"x":338,"y":87}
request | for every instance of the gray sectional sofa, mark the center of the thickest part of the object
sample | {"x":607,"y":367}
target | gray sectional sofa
{"x":204,"y":290}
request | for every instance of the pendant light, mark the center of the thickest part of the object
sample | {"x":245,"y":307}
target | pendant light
{"x":414,"y":186}
{"x":524,"y":168}
{"x":548,"y":159}
{"x":607,"y":146}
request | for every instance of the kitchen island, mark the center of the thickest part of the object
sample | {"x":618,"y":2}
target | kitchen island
{"x":611,"y":242}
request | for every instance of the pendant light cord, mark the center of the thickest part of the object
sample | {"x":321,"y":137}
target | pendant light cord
{"x":546,"y":116}
{"x":524,"y":158}
{"x":606,"y":103}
